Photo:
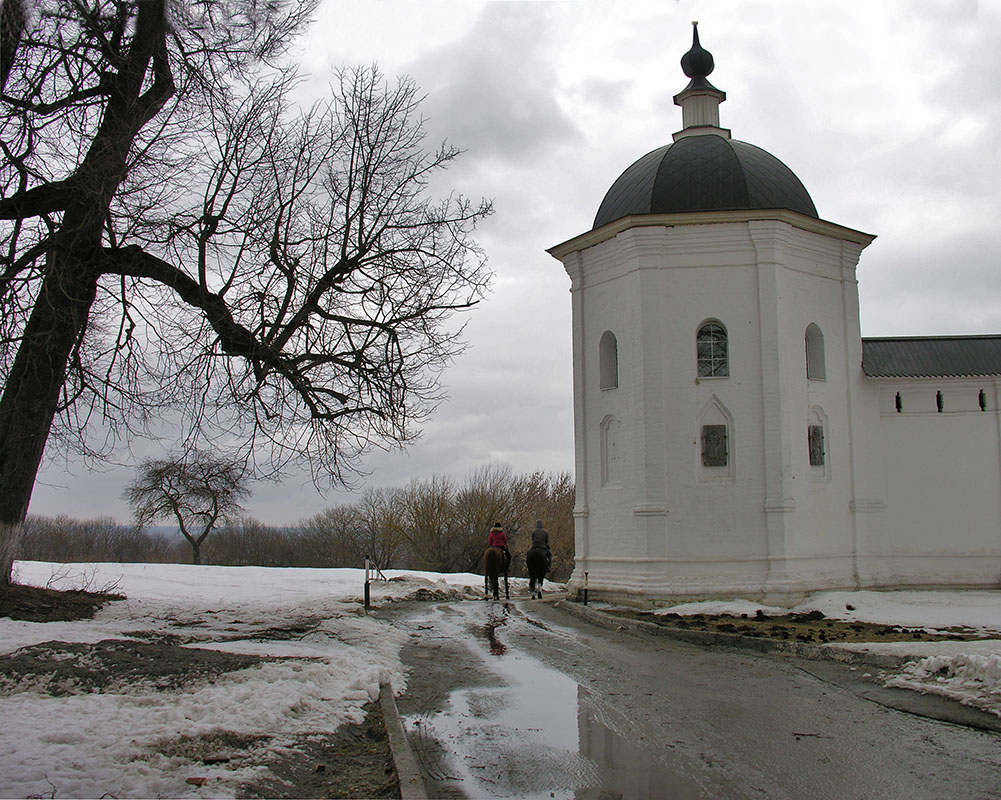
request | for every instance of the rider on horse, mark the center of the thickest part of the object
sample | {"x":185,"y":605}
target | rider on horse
{"x":540,"y":541}
{"x":497,"y":538}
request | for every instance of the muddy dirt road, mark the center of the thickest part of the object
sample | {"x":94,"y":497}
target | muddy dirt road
{"x":520,"y":700}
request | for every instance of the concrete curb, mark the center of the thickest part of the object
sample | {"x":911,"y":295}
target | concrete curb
{"x":735,"y":640}
{"x":411,"y":781}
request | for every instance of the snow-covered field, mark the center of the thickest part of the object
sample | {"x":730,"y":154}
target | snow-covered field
{"x":91,"y":744}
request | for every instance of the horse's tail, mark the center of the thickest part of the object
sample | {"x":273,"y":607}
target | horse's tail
{"x":492,"y":557}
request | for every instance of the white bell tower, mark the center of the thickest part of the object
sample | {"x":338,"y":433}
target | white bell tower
{"x":718,"y":392}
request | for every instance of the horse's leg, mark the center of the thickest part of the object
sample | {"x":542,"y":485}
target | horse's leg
{"x":507,"y":593}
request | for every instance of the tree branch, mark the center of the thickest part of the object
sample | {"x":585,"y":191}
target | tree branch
{"x":234,"y":338}
{"x":38,"y":200}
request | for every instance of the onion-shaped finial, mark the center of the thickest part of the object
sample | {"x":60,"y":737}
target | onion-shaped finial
{"x":697,"y":62}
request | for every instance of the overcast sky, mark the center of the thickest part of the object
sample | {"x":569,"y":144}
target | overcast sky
{"x":887,"y":111}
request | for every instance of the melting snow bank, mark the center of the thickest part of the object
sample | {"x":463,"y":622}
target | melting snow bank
{"x":966,"y":671}
{"x":322,"y":657}
{"x":979,"y":610}
{"x":973,"y":680}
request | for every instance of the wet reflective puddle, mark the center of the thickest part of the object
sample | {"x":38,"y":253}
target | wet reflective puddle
{"x":535,"y":732}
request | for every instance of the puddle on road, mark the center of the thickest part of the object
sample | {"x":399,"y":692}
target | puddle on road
{"x":536,"y":733}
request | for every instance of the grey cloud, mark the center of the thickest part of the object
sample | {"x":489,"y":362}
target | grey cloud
{"x":494,"y":91}
{"x":926,"y":286}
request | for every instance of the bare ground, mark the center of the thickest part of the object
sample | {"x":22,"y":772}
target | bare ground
{"x":33,"y":604}
{"x":811,"y":627}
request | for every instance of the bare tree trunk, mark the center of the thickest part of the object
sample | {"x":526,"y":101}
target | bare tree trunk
{"x":59,"y":315}
{"x":9,"y":536}
{"x":11,"y":30}
{"x":31,"y":395}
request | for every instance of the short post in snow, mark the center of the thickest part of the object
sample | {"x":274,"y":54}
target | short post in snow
{"x":585,"y":588}
{"x":368,"y":576}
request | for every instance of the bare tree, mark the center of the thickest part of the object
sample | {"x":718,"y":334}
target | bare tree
{"x":198,"y":491}
{"x":244,"y":542}
{"x":430,"y":523}
{"x":483,"y":499}
{"x":382,"y":514}
{"x":557,"y":514}
{"x":333,"y":538}
{"x":178,"y":240}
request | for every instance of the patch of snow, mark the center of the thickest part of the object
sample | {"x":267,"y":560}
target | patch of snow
{"x":89,"y":745}
{"x":973,"y":680}
{"x":978,"y":610}
{"x":718,"y":607}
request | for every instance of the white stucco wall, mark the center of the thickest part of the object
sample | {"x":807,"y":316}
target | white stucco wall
{"x":666,"y":524}
{"x":943,"y":484}
{"x":909,"y":498}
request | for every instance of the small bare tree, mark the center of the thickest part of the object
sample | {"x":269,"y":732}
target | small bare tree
{"x":198,"y":491}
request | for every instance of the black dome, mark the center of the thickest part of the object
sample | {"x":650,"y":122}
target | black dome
{"x":704,"y":173}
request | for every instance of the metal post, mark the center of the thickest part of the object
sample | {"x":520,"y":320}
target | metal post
{"x":585,"y":588}
{"x":368,"y":596}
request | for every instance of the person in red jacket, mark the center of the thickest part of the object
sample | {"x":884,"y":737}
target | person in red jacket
{"x":497,"y":538}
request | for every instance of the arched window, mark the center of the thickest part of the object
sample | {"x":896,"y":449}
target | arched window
{"x":815,"y":369}
{"x":608,"y":361}
{"x":712,"y":351}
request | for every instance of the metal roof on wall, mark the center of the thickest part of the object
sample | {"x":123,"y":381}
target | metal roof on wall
{"x":931,"y":356}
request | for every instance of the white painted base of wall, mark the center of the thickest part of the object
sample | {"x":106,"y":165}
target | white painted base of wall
{"x":647,"y":584}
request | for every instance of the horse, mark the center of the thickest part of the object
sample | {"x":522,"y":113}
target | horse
{"x":493,"y":566}
{"x":538,"y":566}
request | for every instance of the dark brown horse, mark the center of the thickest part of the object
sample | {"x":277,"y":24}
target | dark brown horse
{"x":538,"y":566}
{"x":493,"y":566}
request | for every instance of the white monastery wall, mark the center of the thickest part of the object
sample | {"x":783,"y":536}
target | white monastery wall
{"x":708,"y":519}
{"x":943,"y":483}
{"x":784,"y":470}
{"x":901,"y":498}
{"x":651,"y":515}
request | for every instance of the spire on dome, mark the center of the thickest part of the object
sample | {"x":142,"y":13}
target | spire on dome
{"x":699,"y":100}
{"x":697,"y":62}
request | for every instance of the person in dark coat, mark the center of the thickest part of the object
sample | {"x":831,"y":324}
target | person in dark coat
{"x":540,"y":540}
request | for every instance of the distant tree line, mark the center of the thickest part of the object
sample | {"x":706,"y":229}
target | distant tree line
{"x":438,"y":524}
{"x":63,"y":538}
